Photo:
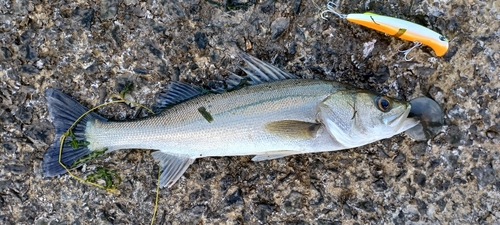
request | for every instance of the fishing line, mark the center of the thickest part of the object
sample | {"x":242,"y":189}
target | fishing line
{"x":157,"y":197}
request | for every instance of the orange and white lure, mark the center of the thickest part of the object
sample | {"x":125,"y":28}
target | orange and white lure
{"x":396,"y":27}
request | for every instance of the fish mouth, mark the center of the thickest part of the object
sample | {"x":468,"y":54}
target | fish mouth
{"x":397,"y":119}
{"x":401,"y":122}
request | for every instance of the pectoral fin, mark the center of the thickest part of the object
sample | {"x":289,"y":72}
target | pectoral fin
{"x":274,"y":155}
{"x":172,"y":167}
{"x":293,"y":129}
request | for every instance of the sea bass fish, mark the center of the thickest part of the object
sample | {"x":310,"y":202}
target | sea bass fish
{"x":276,"y":116}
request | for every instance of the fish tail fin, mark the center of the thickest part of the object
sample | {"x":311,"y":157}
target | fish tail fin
{"x":64,"y":111}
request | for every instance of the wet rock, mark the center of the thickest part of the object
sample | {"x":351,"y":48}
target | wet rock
{"x":425,"y":71}
{"x":24,"y":115}
{"x":109,"y":9}
{"x":235,"y":198}
{"x":419,"y":149}
{"x":278,"y":26}
{"x":492,"y":134}
{"x":9,"y":147}
{"x":419,"y":178}
{"x":382,"y":74}
{"x":349,"y":212}
{"x":40,"y":133}
{"x":4,"y":184}
{"x":267,"y":7}
{"x":382,"y":153}
{"x":366,"y":206}
{"x":14,"y":168}
{"x":225,"y":182}
{"x":85,"y":16}
{"x":30,"y":52}
{"x":459,"y":181}
{"x":293,"y":202}
{"x":6,"y":53}
{"x":440,"y":184}
{"x":154,"y":50}
{"x":296,"y":6}
{"x":200,"y":195}
{"x":414,"y":217}
{"x":477,"y":48}
{"x":451,"y":159}
{"x":115,"y":34}
{"x":263,"y":212}
{"x":207,"y":175}
{"x":30,"y":69}
{"x":140,"y":70}
{"x":237,"y":4}
{"x":399,"y":158}
{"x":201,"y":40}
{"x":196,"y":212}
{"x":484,"y":175}
{"x":441,"y":203}
{"x":422,"y":206}
{"x":433,"y":164}
{"x":328,"y":222}
{"x":379,"y":185}
{"x":292,"y":48}
{"x":454,"y":136}
{"x":399,"y":219}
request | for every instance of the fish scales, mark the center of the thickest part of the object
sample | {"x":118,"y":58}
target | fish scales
{"x":282,"y":117}
{"x":237,"y":129}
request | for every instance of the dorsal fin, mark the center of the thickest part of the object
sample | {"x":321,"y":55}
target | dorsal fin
{"x":235,"y":82}
{"x":257,"y":72}
{"x":174,"y":93}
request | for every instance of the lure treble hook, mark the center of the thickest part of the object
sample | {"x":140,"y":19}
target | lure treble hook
{"x":405,"y":52}
{"x":330,"y":5}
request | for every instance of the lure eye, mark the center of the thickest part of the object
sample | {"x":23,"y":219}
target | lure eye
{"x":442,"y":38}
{"x":383,"y":104}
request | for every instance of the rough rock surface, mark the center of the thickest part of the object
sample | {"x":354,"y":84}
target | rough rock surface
{"x":91,"y":49}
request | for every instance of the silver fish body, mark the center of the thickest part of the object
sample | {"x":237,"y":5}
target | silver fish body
{"x":238,"y":126}
{"x":270,"y":120}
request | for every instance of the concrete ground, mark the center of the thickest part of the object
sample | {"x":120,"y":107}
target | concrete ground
{"x":91,"y":49}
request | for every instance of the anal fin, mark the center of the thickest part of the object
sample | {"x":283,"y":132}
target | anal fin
{"x":274,"y":155}
{"x":172,"y":167}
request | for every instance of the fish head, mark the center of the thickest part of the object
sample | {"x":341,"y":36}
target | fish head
{"x":358,"y":117}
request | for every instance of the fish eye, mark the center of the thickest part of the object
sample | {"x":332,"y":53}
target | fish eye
{"x":442,"y":38}
{"x":383,"y":104}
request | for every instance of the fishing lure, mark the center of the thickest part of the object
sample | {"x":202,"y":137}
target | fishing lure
{"x":396,"y":27}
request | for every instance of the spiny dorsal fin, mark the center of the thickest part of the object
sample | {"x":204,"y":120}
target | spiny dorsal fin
{"x":293,"y":129}
{"x":235,"y":82}
{"x":257,"y":72}
{"x":176,"y":92}
{"x":172,"y":167}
